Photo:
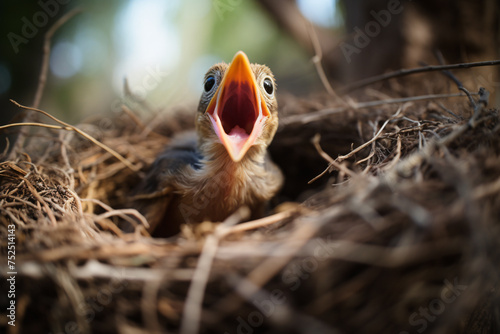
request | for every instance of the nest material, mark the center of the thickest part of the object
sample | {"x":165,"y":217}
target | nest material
{"x":398,"y":236}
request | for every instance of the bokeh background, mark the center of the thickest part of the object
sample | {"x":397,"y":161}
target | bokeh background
{"x":163,"y":48}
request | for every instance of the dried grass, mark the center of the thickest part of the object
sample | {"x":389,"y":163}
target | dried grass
{"x":409,"y":207}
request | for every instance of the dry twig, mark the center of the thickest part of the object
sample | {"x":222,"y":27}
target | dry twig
{"x":192,"y":308}
{"x":67,"y":126}
{"x":403,"y":72}
{"x":43,"y":73}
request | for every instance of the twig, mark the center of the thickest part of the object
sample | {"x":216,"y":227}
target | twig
{"x":6,"y":149}
{"x":487,"y":189}
{"x":332,"y":162}
{"x":320,"y":175}
{"x":336,"y":163}
{"x":77,"y":200}
{"x":64,"y":154}
{"x":13,"y":166}
{"x":258,"y":223}
{"x":49,"y":126}
{"x":397,"y":157}
{"x":483,"y":97}
{"x":191,"y":315}
{"x":460,"y":86}
{"x":39,"y":198}
{"x":67,"y":126}
{"x":149,"y":305}
{"x":359,"y":148}
{"x":42,"y":79}
{"x":403,"y":72}
{"x":317,"y":62}
{"x":410,"y":162}
{"x":130,"y":96}
{"x":372,"y":153}
{"x":160,"y":193}
{"x":253,"y":293}
{"x":124,"y":214}
{"x":133,"y":116}
{"x":271,"y":266}
{"x":73,"y":293}
{"x":306,"y":118}
{"x":46,"y":54}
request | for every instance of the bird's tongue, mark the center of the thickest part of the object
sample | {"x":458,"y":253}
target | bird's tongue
{"x":238,"y":135}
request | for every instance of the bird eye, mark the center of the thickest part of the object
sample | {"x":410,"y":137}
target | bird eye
{"x":268,"y":86}
{"x":209,"y":83}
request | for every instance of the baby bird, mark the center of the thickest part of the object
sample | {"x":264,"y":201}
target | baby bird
{"x":209,"y":174}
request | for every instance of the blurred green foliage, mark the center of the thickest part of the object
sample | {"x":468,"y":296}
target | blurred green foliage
{"x":207,"y":31}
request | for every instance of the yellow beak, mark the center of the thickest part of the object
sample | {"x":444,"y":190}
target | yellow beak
{"x":238,"y":109}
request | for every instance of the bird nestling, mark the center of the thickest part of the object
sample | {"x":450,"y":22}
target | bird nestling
{"x":209,"y":174}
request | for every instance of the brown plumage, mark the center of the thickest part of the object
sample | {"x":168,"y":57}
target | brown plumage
{"x":209,"y":174}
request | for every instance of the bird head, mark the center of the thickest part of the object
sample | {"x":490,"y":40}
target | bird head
{"x":238,"y":106}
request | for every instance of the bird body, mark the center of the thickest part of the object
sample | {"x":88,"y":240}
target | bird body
{"x":210,"y":173}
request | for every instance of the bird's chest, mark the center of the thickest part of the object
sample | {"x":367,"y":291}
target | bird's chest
{"x":219,"y":195}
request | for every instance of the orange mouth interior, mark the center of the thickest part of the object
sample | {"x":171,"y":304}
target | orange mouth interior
{"x":237,"y":110}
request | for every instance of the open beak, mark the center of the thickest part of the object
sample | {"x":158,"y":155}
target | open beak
{"x":238,"y":110}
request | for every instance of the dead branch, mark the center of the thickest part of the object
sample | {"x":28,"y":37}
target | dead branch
{"x":43,"y":74}
{"x":83,"y":134}
{"x":404,"y":72}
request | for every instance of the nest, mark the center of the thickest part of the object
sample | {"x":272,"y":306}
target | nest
{"x":398,"y":234}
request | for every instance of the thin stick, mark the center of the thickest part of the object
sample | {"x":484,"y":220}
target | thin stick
{"x":39,"y":198}
{"x":269,"y":267}
{"x":46,"y":54}
{"x":487,"y":189}
{"x":336,"y":163}
{"x":124,"y":213}
{"x":191,"y":315}
{"x":317,"y":61}
{"x":306,"y":118}
{"x":83,"y":134}
{"x":372,"y":153}
{"x":49,"y":126}
{"x":77,"y":200}
{"x":320,"y":175}
{"x":397,"y":157}
{"x":332,"y":162}
{"x":42,"y":79}
{"x":403,"y":72}
{"x":254,"y":224}
{"x":149,"y":306}
{"x":133,"y":116}
{"x":359,"y":148}
{"x":160,"y":193}
{"x":483,"y":97}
